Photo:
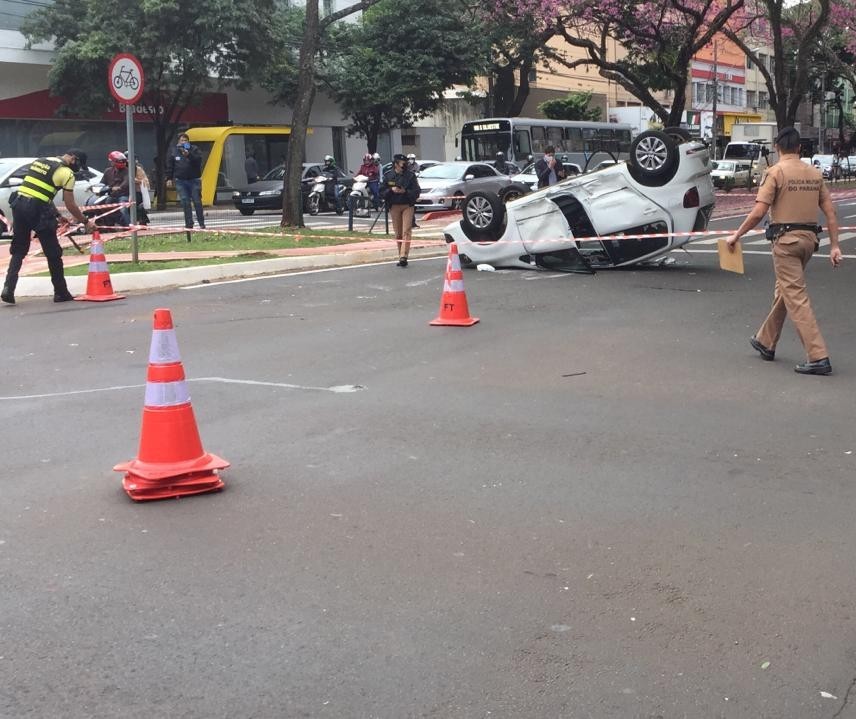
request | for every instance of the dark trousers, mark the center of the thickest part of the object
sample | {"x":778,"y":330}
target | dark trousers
{"x":191,"y":191}
{"x":28,"y":216}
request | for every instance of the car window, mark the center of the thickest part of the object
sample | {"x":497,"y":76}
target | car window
{"x":443,"y":171}
{"x":277,"y":173}
{"x":481,"y":171}
{"x":312,"y":171}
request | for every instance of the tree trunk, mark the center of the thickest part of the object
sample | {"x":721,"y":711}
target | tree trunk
{"x":503,"y":91}
{"x":292,"y":197}
{"x":679,"y":102}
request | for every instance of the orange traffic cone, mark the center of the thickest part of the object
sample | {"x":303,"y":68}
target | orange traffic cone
{"x":171,"y":461}
{"x":99,"y":288}
{"x":453,"y":304}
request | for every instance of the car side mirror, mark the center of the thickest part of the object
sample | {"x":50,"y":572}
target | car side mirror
{"x":469,"y":177}
{"x":16,"y":181}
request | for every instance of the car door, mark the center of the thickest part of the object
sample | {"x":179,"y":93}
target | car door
{"x":485,"y":179}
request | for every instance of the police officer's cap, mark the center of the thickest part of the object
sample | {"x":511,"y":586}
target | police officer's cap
{"x":788,"y":135}
{"x":399,"y":157}
{"x":80,"y":155}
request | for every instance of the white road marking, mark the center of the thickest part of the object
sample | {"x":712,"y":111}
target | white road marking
{"x":336,"y":389}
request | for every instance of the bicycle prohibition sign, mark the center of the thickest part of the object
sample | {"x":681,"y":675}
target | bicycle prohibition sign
{"x":125,"y":78}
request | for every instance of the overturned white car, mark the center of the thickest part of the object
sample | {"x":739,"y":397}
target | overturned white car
{"x":664,"y":188}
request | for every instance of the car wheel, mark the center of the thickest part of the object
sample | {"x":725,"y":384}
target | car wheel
{"x":246,"y":210}
{"x":678,"y":134}
{"x":511,"y":193}
{"x":653,"y":158}
{"x":484,"y":214}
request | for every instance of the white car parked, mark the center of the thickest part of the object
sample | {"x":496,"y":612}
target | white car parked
{"x":665,"y":187}
{"x":12,"y":172}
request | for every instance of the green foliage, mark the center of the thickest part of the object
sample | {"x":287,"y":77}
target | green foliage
{"x":573,"y":107}
{"x":182,"y":45}
{"x":391,"y":68}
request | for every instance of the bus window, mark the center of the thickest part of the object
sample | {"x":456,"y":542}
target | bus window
{"x":555,"y":138}
{"x":539,"y":140}
{"x":573,"y":139}
{"x":589,"y":139}
{"x":623,"y":140}
{"x":522,"y":146}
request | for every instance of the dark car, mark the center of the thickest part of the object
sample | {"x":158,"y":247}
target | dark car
{"x":266,"y":193}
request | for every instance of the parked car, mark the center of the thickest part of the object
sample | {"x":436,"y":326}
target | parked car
{"x":266,"y":193}
{"x":829,"y":165}
{"x":664,"y":187}
{"x":12,"y":172}
{"x":731,"y":173}
{"x":445,"y":185}
{"x":526,"y":180}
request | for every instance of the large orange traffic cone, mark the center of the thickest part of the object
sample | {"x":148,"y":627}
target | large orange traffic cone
{"x":453,"y":304}
{"x":99,"y":288}
{"x":171,"y":461}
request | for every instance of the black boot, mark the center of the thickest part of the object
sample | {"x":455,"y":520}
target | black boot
{"x":8,"y":294}
{"x":61,"y":293}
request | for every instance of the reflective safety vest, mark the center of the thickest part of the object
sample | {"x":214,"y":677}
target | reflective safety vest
{"x":38,"y":182}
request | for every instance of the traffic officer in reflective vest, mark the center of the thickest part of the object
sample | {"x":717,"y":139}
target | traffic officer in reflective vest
{"x":34,"y":211}
{"x":793,"y":192}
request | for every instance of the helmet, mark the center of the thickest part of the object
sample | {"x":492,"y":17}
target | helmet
{"x":376,"y":156}
{"x":328,"y":159}
{"x":367,"y":157}
{"x":500,"y":155}
{"x":411,"y":156}
{"x":118,"y":159}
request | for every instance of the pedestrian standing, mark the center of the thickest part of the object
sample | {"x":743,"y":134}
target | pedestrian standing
{"x":34,"y":211}
{"x":251,"y":167}
{"x":792,"y":192}
{"x":184,"y":170}
{"x":548,"y":169}
{"x":400,"y":190}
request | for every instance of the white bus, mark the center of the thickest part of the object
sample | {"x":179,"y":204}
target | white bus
{"x":584,"y":143}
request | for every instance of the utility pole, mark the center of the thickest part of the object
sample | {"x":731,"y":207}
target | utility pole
{"x":713,"y":131}
{"x":821,"y":132}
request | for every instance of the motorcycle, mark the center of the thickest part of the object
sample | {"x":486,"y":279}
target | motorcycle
{"x":322,"y":195}
{"x":360,"y":199}
{"x":101,"y":196}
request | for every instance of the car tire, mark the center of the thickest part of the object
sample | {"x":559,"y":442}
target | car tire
{"x":653,"y":158}
{"x":246,"y":210}
{"x":484,"y":215}
{"x":678,"y":134}
{"x":512,"y":192}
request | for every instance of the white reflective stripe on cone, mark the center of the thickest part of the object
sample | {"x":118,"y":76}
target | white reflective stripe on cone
{"x":164,"y":347}
{"x":453,"y":286}
{"x":455,"y":262}
{"x":97,"y":247}
{"x":166,"y":394}
{"x":97,"y":266}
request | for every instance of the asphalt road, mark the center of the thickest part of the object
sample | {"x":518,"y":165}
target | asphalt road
{"x":597,"y":502}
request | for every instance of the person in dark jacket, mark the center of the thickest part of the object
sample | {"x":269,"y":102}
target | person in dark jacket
{"x":184,"y":170}
{"x":399,"y":191}
{"x":34,"y":211}
{"x":548,"y":169}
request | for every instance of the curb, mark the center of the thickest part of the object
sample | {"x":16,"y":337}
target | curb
{"x":162,"y":279}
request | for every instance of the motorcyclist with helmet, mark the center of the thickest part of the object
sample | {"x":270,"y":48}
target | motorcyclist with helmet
{"x":506,"y":168}
{"x":331,"y":171}
{"x":116,"y":180}
{"x":371,"y":170}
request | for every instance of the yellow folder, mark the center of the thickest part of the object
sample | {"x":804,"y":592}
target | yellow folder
{"x":730,"y":261}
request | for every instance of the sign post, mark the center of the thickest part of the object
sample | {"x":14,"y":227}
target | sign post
{"x":125,"y":80}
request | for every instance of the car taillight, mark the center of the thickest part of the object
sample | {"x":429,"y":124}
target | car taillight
{"x":691,"y":198}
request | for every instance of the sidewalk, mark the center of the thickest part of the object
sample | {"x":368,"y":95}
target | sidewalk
{"x":287,"y":260}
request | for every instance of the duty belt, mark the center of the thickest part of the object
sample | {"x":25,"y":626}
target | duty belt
{"x":777,"y":229}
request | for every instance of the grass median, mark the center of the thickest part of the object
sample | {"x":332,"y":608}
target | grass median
{"x":255,"y":246}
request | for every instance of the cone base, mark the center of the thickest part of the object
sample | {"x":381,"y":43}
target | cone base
{"x":98,"y":298}
{"x":466,"y":322}
{"x":143,"y":490}
{"x":157,"y":471}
